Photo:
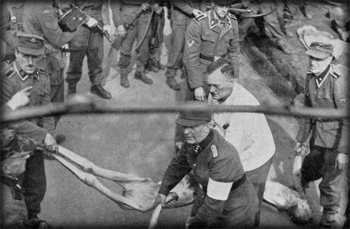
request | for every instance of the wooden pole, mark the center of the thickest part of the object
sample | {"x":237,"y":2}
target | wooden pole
{"x":90,"y":107}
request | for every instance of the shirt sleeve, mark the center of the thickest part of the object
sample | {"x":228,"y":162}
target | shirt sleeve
{"x":116,"y":7}
{"x":183,"y":6}
{"x":233,"y":50}
{"x":176,"y":170}
{"x":105,"y":12}
{"x":222,"y":175}
{"x":52,"y":32}
{"x":191,"y":54}
{"x":48,"y":121}
{"x":341,"y":97}
{"x":305,"y":123}
{"x":24,"y":128}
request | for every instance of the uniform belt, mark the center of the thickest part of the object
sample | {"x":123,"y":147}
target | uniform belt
{"x":210,"y":58}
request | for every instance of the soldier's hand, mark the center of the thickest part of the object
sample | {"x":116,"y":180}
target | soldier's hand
{"x":92,"y":22}
{"x":199,"y":94}
{"x":158,"y":9}
{"x":145,"y":6}
{"x":342,"y":161}
{"x":50,"y":143}
{"x":121,"y":31}
{"x":108,"y":29}
{"x":20,"y":99}
{"x":160,"y":199}
{"x":198,"y":14}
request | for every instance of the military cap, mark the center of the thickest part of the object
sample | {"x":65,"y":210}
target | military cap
{"x":30,"y":44}
{"x":223,"y":3}
{"x":320,"y":50}
{"x":13,"y":146}
{"x":193,"y":118}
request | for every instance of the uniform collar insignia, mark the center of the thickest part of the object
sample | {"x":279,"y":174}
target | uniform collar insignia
{"x":322,"y":77}
{"x":23,"y":75}
{"x":214,"y":21}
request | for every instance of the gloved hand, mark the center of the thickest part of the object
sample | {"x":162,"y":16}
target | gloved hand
{"x":92,"y":22}
{"x":107,"y":28}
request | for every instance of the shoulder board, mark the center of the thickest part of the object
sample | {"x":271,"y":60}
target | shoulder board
{"x":232,"y":16}
{"x":214,"y":150}
{"x":42,"y":71}
{"x":335,"y":75}
{"x":10,"y":72}
{"x":204,"y":15}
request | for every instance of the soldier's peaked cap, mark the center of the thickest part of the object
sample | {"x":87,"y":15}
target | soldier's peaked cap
{"x":320,"y":50}
{"x":30,"y":44}
{"x":193,"y":118}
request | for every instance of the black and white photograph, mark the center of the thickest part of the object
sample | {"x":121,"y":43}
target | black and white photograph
{"x":174,"y":114}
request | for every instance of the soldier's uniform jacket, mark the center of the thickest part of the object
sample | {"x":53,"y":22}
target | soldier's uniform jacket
{"x":96,"y":9}
{"x":217,"y":168}
{"x":205,"y":41}
{"x":86,"y":37}
{"x":329,"y":90}
{"x":41,"y":18}
{"x":11,"y":23}
{"x":123,"y":10}
{"x":15,"y":79}
{"x":182,"y":10}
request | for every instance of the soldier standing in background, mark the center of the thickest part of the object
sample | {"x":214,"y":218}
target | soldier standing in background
{"x":140,"y":31}
{"x":89,"y":42}
{"x":326,"y":87}
{"x":182,"y":12}
{"x":41,"y":18}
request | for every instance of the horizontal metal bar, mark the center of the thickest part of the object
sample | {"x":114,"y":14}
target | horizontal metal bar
{"x":87,"y":106}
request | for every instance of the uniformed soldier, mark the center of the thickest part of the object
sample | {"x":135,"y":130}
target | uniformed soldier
{"x":122,"y":11}
{"x":225,"y":198}
{"x":21,"y":74}
{"x":89,"y":42}
{"x":41,"y":18}
{"x":208,"y":39}
{"x":326,"y":87}
{"x":182,"y":12}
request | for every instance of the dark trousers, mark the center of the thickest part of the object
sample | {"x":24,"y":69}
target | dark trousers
{"x":93,"y":50}
{"x":137,"y":32}
{"x":34,"y":183}
{"x":320,"y":163}
{"x":55,"y":69}
{"x":258,"y":179}
{"x":177,"y":43}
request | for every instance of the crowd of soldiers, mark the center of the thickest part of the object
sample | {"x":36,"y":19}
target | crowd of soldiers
{"x":229,"y":154}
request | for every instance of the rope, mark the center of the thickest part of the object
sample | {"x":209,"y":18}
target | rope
{"x":143,"y":37}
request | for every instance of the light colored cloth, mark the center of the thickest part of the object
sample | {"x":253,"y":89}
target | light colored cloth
{"x":249,"y":133}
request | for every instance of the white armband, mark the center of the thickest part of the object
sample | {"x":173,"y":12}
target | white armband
{"x":218,"y":190}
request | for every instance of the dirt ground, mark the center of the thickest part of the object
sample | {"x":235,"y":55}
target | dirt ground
{"x":143,"y":144}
